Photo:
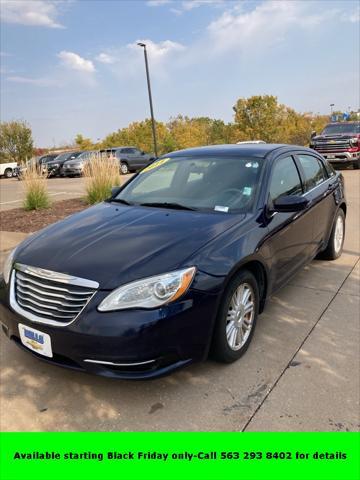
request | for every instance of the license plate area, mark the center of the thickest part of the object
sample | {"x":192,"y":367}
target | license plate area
{"x":35,"y":340}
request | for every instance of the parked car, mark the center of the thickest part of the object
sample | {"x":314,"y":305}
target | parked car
{"x":75,"y":166}
{"x":339,"y":143}
{"x":55,"y":167}
{"x":131,"y":159}
{"x":40,"y":162}
{"x":178,"y":262}
{"x":8,"y":170}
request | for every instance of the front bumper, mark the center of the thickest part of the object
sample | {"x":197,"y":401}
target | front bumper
{"x":72,"y":170}
{"x":131,"y":344}
{"x":69,"y":171}
{"x":341,"y":157}
{"x":53,"y":171}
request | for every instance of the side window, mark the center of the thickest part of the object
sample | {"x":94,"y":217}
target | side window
{"x":330,"y":169}
{"x":285,"y":179}
{"x":313,"y":170}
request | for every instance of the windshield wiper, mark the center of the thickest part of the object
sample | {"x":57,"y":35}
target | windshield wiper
{"x":120,"y":200}
{"x":175,"y":206}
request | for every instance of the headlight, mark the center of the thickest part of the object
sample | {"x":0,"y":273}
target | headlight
{"x":149,"y":292}
{"x":8,"y":265}
{"x":354,"y":141}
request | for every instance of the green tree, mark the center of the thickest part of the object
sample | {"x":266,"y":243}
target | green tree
{"x":16,"y":143}
{"x":139,"y":134}
{"x":83,"y":143}
{"x":261,"y":117}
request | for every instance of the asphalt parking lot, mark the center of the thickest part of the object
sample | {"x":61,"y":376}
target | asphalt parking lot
{"x":301,"y":372}
{"x":11,"y":190}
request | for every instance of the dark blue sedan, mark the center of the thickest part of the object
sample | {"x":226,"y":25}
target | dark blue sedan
{"x":177,"y":264}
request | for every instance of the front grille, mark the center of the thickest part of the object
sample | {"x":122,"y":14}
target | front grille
{"x":49,"y":300}
{"x":332,"y":147}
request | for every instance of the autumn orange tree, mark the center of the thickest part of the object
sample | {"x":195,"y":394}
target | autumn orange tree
{"x":260,"y":117}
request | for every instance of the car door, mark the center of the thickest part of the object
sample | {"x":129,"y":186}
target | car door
{"x":127,"y":154}
{"x":290,"y":233}
{"x":142,"y":160}
{"x":136,"y":158}
{"x":319,"y":190}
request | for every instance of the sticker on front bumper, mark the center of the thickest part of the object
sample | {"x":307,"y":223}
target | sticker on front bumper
{"x":37,"y":341}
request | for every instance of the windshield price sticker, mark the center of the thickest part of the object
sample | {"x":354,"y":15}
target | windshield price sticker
{"x":156,"y":164}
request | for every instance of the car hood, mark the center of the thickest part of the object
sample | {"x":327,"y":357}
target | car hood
{"x":337,"y":136}
{"x":115,"y":244}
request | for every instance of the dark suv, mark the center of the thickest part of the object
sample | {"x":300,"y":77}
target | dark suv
{"x":39,"y":161}
{"x":55,"y":167}
{"x":131,"y":159}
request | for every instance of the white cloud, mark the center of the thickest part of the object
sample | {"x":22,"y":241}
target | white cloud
{"x":128,"y":60}
{"x":157,"y":3}
{"x":263,"y":26}
{"x":191,"y":4}
{"x":158,"y":51}
{"x":184,"y":5}
{"x":353,"y":17}
{"x":75,"y":62}
{"x":105,"y":58}
{"x":31,"y":12}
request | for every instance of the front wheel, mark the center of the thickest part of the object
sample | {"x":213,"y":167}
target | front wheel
{"x":336,"y":241}
{"x":236,"y":319}
{"x":124,"y":169}
{"x":8,"y":173}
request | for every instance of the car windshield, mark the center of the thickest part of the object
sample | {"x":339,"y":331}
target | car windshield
{"x":68,"y":156}
{"x":339,"y":128}
{"x":47,"y":158}
{"x":201,"y":183}
{"x":86,"y":155}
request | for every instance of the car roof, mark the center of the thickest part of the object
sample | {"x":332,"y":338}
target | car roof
{"x":116,"y":148}
{"x":244,"y":150}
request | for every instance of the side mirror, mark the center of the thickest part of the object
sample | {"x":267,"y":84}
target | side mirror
{"x":313,"y":134}
{"x":142,"y":153}
{"x":115,"y":191}
{"x":292,"y":203}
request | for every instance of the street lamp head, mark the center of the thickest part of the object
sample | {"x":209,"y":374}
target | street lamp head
{"x":142,"y":44}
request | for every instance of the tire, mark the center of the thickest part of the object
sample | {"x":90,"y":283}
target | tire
{"x":227,"y":343}
{"x":8,"y":173}
{"x":124,"y":168}
{"x":335,"y":245}
{"x":356,"y":164}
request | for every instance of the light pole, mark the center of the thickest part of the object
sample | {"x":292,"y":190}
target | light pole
{"x":331,"y":108}
{"x":143,"y":45}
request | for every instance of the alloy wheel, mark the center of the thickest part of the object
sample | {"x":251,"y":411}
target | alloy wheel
{"x":240,"y":316}
{"x":339,"y":234}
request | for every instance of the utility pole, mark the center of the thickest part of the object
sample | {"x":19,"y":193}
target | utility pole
{"x":143,"y":45}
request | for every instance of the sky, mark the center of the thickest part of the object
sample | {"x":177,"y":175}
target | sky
{"x":70,"y":67}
